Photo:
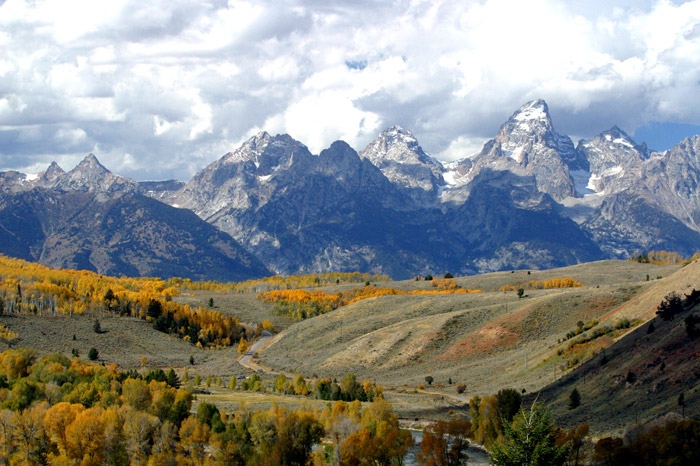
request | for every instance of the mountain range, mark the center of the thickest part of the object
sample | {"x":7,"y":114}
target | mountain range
{"x":92,"y":219}
{"x":530,"y":199}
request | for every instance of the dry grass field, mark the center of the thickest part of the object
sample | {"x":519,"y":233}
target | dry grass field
{"x":485,"y":341}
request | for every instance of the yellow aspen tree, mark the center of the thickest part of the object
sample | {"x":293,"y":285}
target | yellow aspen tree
{"x":56,"y":421}
{"x":139,"y":428}
{"x":135,"y":393}
{"x":242,"y":346}
{"x":194,"y":439}
{"x":86,"y":437}
{"x":7,"y":444}
{"x":30,"y":435}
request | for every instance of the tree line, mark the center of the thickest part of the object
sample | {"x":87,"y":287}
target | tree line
{"x":279,"y":282}
{"x":663,"y":258}
{"x":300,"y":304}
{"x":32,"y":289}
{"x":552,"y":283}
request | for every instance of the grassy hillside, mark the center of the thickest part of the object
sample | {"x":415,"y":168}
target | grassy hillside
{"x":486,"y":341}
{"x":663,"y":364}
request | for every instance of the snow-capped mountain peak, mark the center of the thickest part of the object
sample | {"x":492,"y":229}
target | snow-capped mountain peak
{"x":403,"y":161}
{"x":527,"y":144}
{"x":534,"y":110}
{"x":250,"y":149}
{"x":396,"y":145}
{"x":531,"y":119}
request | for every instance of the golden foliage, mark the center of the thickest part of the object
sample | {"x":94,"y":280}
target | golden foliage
{"x":664,"y":258}
{"x":7,"y":335}
{"x":29,"y":288}
{"x":301,"y":304}
{"x":552,"y":283}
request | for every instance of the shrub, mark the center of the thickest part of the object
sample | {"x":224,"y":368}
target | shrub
{"x":622,"y":323}
{"x":574,"y":399}
{"x":670,"y":306}
{"x":93,"y":354}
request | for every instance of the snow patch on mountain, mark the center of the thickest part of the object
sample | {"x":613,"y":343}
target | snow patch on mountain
{"x":517,"y":154}
{"x":583,"y":181}
{"x":536,"y":110}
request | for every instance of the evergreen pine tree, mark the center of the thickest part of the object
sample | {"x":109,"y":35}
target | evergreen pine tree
{"x":574,"y":399}
{"x":529,"y":441}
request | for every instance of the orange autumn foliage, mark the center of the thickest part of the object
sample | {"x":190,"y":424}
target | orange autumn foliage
{"x":29,"y":288}
{"x":301,"y":304}
{"x":552,"y":283}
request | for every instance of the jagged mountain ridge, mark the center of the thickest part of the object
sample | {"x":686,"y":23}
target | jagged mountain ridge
{"x":529,"y":199}
{"x":307,"y":213}
{"x":403,"y":161}
{"x":90,"y":218}
{"x":606,"y":193}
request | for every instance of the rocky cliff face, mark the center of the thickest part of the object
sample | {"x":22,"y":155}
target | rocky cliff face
{"x":672,"y":180}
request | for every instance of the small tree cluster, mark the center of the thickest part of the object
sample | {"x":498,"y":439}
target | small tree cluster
{"x":445,"y":443}
{"x":671,"y":306}
{"x":490,"y":413}
{"x":676,"y":442}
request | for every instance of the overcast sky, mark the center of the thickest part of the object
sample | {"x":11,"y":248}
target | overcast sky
{"x":160,"y":89}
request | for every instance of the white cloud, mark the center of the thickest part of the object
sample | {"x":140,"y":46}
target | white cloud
{"x":160,"y":89}
{"x":318,"y":120}
{"x":71,"y":136}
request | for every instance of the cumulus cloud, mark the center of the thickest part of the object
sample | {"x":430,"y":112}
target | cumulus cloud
{"x":160,"y":89}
